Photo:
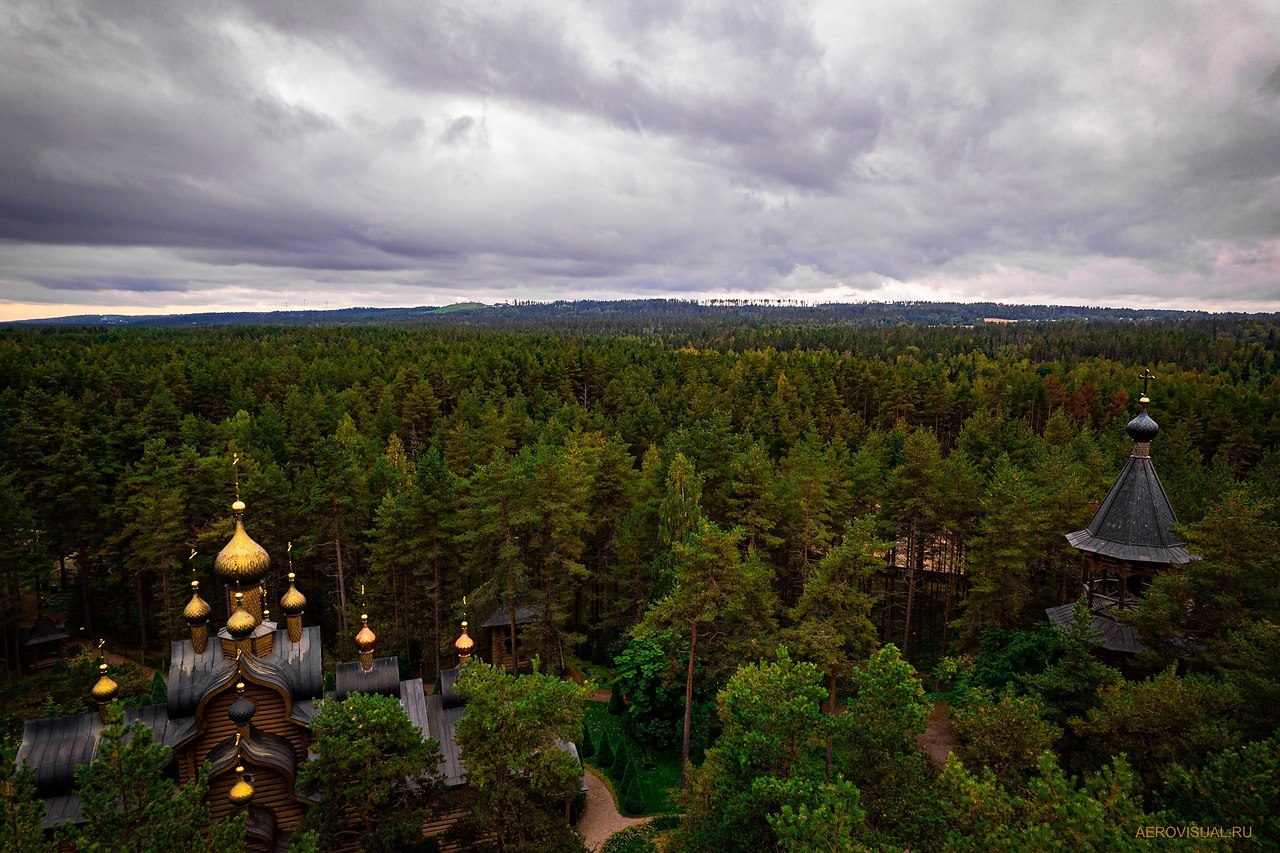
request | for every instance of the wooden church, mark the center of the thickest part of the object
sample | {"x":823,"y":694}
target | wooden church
{"x":1127,"y":542}
{"x":242,"y":698}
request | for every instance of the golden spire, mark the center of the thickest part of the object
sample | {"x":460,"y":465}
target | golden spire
{"x":197,"y":610}
{"x":464,"y":645}
{"x":293,"y":603}
{"x":365,"y":641}
{"x":241,"y":793}
{"x":241,"y":562}
{"x":241,"y":623}
{"x":105,"y":689}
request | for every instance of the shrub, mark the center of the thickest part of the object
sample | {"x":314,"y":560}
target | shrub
{"x":617,"y":705}
{"x":604,"y":756}
{"x":586,"y":748}
{"x":633,"y":839}
{"x":621,"y":761}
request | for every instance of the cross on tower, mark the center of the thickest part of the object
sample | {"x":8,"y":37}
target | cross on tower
{"x":1146,"y":376}
{"x":235,"y":472}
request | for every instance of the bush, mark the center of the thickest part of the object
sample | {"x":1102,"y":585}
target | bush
{"x":633,"y":839}
{"x":586,"y":748}
{"x":604,"y":757}
{"x":621,"y":761}
{"x":632,"y":799}
{"x":617,"y":705}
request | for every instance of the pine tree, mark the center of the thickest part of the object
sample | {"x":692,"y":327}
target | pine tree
{"x":21,"y":813}
{"x":127,"y":802}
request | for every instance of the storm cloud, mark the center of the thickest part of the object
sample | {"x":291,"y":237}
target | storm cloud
{"x":175,"y":156}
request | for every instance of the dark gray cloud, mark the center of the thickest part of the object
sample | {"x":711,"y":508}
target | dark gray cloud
{"x":179,"y":155}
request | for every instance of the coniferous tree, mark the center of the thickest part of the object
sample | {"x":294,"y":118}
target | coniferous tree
{"x":510,"y":747}
{"x":128,"y":803}
{"x":374,"y":772}
{"x":21,"y":812}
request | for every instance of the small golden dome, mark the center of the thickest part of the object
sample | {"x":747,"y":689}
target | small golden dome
{"x":197,"y":610}
{"x":464,"y":644}
{"x":106,"y":689}
{"x":241,"y":792}
{"x":366,"y":638}
{"x":241,"y":623}
{"x":241,"y":562}
{"x":293,"y":602}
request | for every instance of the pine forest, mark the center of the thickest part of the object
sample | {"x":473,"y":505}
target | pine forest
{"x":807,"y":560}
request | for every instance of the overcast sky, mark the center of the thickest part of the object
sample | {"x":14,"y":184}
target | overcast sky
{"x":164,"y":157}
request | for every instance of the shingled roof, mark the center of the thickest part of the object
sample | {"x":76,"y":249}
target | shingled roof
{"x":1135,"y":521}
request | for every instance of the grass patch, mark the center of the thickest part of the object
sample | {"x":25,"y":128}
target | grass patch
{"x":656,"y":772}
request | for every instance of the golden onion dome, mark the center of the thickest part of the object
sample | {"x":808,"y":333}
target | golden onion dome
{"x":241,"y":623}
{"x":464,"y":644}
{"x":366,"y":638}
{"x":197,"y":610}
{"x":293,"y":602}
{"x":106,"y":689}
{"x":241,"y":562}
{"x":241,"y":792}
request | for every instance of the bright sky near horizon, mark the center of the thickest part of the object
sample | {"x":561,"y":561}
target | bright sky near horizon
{"x":178,"y":157}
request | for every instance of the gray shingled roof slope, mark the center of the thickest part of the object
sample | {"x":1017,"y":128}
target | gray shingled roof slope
{"x":1135,"y":521}
{"x":296,"y":667}
{"x":1107,"y":632}
{"x":383,"y":678}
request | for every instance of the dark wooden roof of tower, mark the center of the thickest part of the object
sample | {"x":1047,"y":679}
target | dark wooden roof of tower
{"x":1135,"y":521}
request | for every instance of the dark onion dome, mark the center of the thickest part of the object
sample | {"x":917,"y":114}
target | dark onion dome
{"x":366,"y":639}
{"x":241,"y":562}
{"x":241,"y":792}
{"x":464,"y":645}
{"x":293,"y":602}
{"x":106,"y":688}
{"x":241,"y":623}
{"x":1142,"y":428}
{"x":243,"y":709}
{"x":197,"y":611}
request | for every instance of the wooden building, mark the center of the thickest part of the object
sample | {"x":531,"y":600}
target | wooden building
{"x":1127,"y":542}
{"x":243,"y":700}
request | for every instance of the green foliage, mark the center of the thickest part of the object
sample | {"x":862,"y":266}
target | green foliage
{"x":621,"y":763}
{"x":1235,"y":787}
{"x":21,"y":812}
{"x":1208,"y":600}
{"x":510,"y":747}
{"x":1071,"y":686}
{"x":1159,"y":722}
{"x":305,"y":842}
{"x":617,"y":702}
{"x":814,"y":815}
{"x":773,"y":730}
{"x":633,"y":839}
{"x":604,"y":755}
{"x":1006,"y":736}
{"x":128,"y":803}
{"x":373,"y":771}
{"x":1052,"y":813}
{"x":655,"y":772}
{"x":1009,"y":657}
{"x":586,"y":745}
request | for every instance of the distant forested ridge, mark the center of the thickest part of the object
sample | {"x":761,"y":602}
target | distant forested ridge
{"x":641,"y":315}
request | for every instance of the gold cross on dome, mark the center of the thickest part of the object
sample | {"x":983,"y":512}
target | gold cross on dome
{"x":1146,"y":376}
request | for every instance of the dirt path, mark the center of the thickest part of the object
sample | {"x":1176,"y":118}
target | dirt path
{"x":600,"y":818}
{"x":940,"y":738}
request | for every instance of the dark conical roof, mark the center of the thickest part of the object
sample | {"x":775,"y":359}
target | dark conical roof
{"x":1135,"y":522}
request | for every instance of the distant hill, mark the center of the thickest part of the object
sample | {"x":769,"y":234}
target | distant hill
{"x":639,"y":315}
